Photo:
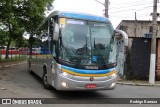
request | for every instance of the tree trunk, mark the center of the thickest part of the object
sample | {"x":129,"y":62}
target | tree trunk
{"x":30,"y":45}
{"x":0,"y":52}
{"x":7,"y":49}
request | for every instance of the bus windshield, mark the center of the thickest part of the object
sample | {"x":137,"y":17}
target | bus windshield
{"x":87,"y":43}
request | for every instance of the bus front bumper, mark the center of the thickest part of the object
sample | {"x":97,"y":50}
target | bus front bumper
{"x":84,"y":83}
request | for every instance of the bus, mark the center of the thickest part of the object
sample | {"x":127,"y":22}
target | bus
{"x":77,"y":52}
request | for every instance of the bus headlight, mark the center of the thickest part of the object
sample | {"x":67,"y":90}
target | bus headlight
{"x":114,"y":75}
{"x":65,"y":74}
{"x":112,"y":85}
{"x":64,"y":84}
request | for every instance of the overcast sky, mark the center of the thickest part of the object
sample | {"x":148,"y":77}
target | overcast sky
{"x":118,"y":9}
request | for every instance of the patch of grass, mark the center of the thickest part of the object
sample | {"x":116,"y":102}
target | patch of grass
{"x":14,"y":58}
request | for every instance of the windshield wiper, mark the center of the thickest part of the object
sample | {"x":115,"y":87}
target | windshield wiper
{"x":81,"y":52}
{"x":103,"y":59}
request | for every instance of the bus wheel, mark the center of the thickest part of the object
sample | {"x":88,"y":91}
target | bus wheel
{"x":45,"y":81}
{"x":29,"y":67}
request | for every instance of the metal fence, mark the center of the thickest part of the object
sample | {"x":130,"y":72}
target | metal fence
{"x":15,"y":54}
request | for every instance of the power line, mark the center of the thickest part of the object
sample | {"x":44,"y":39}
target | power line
{"x":130,"y":5}
{"x":131,"y":9}
{"x":130,"y":14}
{"x":100,"y":2}
{"x":130,"y":2}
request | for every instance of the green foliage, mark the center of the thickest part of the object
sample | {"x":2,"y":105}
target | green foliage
{"x":33,"y":11}
{"x":20,"y":15}
{"x":22,"y":42}
{"x":17,"y":16}
{"x":3,"y":37}
{"x":14,"y":58}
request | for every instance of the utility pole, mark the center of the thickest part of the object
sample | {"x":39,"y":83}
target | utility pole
{"x":135,"y":29}
{"x":153,"y":44}
{"x":106,"y":8}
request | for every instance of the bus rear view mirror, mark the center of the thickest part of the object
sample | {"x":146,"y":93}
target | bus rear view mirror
{"x":121,"y":34}
{"x":56,"y":32}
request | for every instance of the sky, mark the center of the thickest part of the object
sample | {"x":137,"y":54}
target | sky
{"x":118,"y":9}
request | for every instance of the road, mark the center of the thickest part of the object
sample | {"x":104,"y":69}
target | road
{"x":16,"y":82}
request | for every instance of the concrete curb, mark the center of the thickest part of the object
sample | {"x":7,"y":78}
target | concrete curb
{"x":11,"y":65}
{"x":137,"y":84}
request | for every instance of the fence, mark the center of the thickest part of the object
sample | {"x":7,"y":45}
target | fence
{"x":14,"y":54}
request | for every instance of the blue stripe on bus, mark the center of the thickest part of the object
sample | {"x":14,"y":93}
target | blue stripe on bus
{"x":82,"y":71}
{"x":84,"y":16}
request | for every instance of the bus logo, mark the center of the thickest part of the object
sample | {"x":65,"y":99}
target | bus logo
{"x":91,"y":78}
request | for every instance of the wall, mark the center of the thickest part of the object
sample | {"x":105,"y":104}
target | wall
{"x":137,"y":30}
{"x":138,"y":52}
{"x":140,"y":58}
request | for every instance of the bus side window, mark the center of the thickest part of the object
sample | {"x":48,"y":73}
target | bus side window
{"x":53,"y":43}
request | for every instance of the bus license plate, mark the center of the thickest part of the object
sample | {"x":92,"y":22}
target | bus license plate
{"x":90,"y":86}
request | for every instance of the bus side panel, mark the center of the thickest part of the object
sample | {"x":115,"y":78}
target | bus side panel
{"x":37,"y":58}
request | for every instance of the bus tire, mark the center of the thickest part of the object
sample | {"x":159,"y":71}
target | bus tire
{"x":29,"y":67}
{"x":44,"y":80}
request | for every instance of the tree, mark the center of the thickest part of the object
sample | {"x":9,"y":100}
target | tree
{"x":10,"y":21}
{"x":22,"y":42}
{"x":2,"y":41}
{"x":21,"y":15}
{"x":3,"y":37}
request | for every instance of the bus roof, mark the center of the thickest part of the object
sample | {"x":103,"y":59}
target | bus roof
{"x":79,"y":16}
{"x":76,"y":15}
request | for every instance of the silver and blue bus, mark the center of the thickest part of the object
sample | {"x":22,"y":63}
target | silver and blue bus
{"x":75,"y":52}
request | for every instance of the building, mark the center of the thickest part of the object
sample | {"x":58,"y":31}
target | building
{"x":138,"y":53}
